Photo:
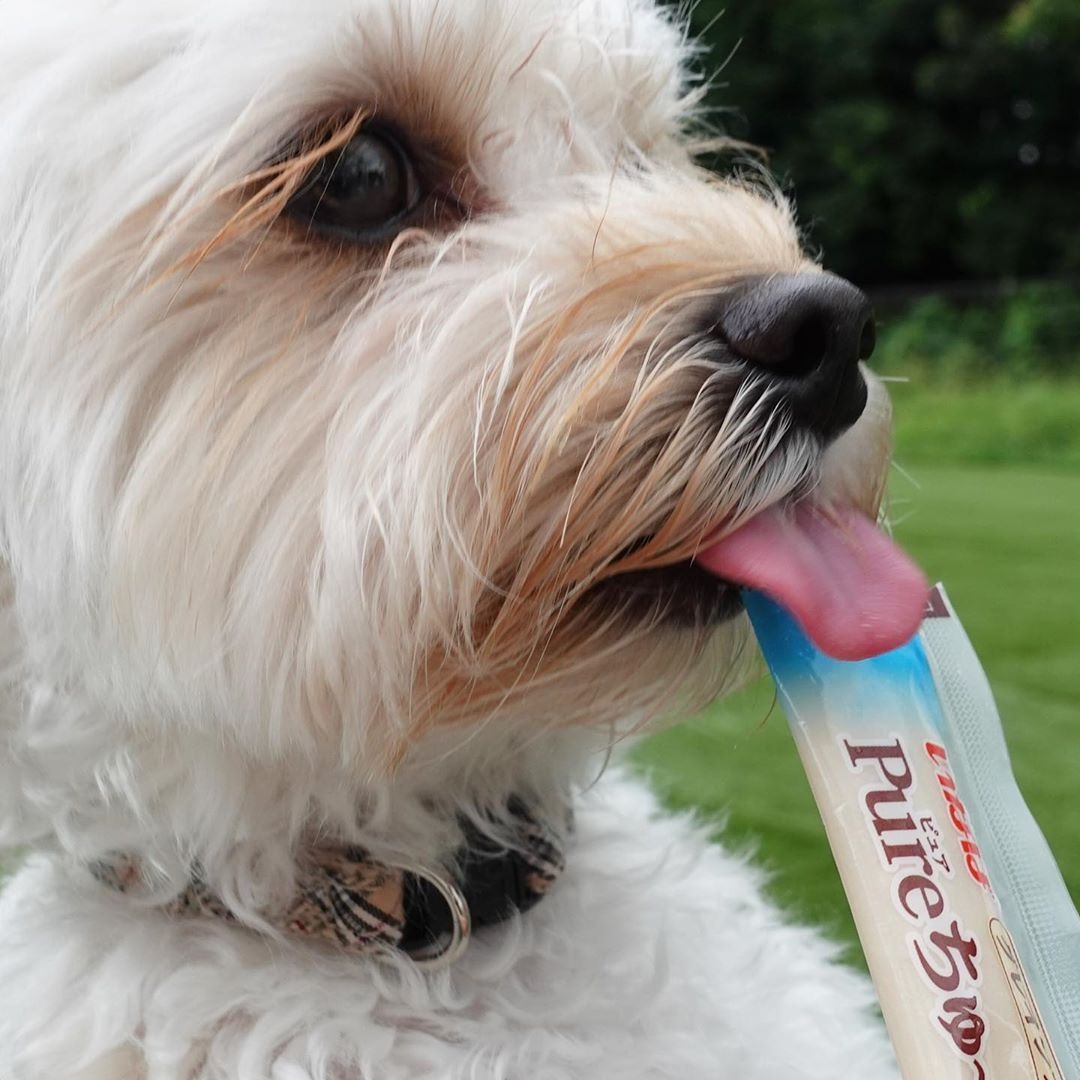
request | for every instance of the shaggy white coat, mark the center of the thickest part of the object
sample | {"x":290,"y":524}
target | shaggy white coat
{"x":299,"y":541}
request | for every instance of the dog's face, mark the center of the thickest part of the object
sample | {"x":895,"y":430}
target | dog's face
{"x":364,"y":373}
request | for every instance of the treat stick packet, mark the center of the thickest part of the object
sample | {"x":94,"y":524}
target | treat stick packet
{"x":971,"y":937}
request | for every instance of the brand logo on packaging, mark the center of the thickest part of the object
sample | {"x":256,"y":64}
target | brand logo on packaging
{"x":958,"y":815}
{"x":945,"y":954}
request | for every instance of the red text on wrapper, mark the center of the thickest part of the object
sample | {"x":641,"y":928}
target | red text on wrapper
{"x":945,"y":955}
{"x":958,"y":815}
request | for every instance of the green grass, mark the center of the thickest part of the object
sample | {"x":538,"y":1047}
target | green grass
{"x":988,"y":422}
{"x":1005,"y":543}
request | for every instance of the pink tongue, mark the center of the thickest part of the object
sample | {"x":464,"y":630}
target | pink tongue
{"x":853,"y":591}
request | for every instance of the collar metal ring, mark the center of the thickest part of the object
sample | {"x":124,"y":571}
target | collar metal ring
{"x":440,"y":955}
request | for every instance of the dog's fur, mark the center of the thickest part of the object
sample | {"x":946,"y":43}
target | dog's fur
{"x":299,"y":538}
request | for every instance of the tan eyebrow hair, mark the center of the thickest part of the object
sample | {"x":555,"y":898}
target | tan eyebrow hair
{"x":267,"y":191}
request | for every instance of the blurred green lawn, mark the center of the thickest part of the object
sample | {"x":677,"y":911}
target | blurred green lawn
{"x":1005,"y":541}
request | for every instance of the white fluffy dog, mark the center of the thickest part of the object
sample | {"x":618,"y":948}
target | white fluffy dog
{"x":370,"y":373}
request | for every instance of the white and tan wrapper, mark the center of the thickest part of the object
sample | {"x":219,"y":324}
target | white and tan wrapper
{"x":969,"y":987}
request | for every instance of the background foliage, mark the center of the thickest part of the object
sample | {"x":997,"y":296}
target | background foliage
{"x":933,"y":150}
{"x":924,"y":140}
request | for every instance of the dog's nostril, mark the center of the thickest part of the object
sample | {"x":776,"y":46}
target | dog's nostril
{"x":868,"y":339}
{"x":807,"y":349}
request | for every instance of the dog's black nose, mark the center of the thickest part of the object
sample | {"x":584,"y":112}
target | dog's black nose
{"x":808,"y":332}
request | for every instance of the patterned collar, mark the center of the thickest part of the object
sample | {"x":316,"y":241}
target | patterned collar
{"x":362,"y":907}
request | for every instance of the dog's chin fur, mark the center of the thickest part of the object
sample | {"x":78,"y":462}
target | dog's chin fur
{"x":299,"y":537}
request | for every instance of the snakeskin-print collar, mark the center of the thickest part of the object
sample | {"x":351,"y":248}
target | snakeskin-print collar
{"x":347,"y":899}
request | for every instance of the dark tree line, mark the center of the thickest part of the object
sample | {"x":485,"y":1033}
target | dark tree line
{"x":924,"y":140}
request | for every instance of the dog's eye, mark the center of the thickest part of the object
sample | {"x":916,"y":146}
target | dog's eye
{"x":364,"y":191}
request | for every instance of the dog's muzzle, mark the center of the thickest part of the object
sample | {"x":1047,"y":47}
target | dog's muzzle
{"x":807,"y":333}
{"x":803,"y":336}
